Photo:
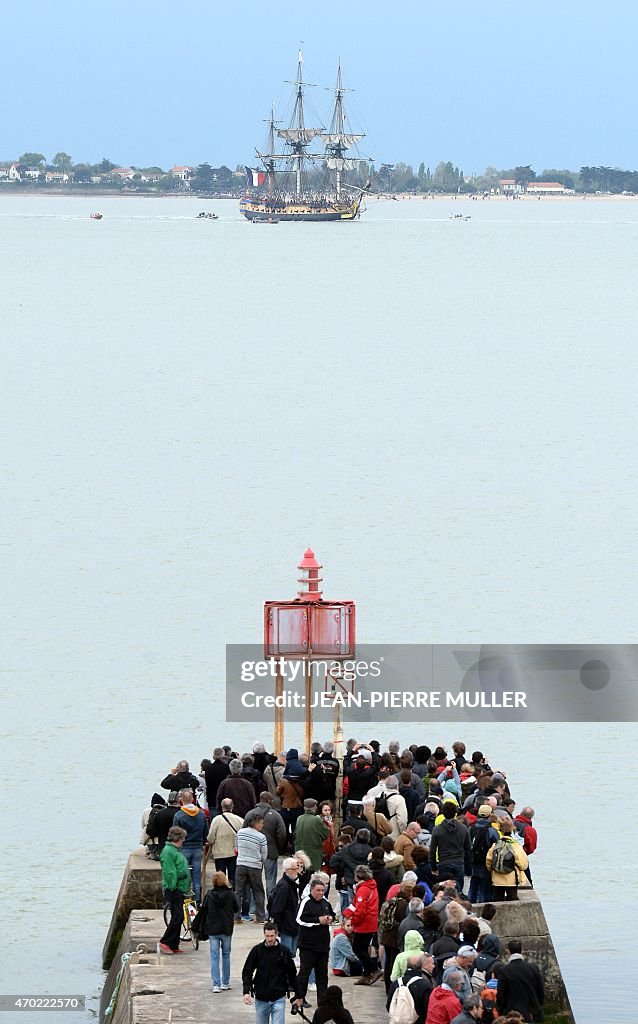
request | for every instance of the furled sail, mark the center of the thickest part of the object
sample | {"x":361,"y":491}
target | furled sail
{"x":304,"y":135}
{"x":339,"y":163}
{"x":339,"y":139}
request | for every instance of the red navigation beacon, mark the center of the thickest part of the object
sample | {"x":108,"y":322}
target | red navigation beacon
{"x":310,"y":629}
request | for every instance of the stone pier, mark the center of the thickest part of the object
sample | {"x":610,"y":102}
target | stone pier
{"x":157,"y":989}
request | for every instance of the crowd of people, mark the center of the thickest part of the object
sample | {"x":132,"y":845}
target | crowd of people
{"x":383,"y":896}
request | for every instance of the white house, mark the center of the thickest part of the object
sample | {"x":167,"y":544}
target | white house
{"x":123,"y":173}
{"x":56,"y":177}
{"x":10,"y":172}
{"x":509,"y":187}
{"x":31,"y":172}
{"x":184,"y":173}
{"x":548,"y":188}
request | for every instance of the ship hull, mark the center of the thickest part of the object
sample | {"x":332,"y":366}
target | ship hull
{"x":251,"y":210}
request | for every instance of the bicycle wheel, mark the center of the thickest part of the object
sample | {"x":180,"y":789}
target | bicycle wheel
{"x":167,"y":914}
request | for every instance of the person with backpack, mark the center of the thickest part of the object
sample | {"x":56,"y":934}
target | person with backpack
{"x":483,"y":834}
{"x":374,"y":812}
{"x":390,"y":916}
{"x":506,"y":860}
{"x":409,"y":995}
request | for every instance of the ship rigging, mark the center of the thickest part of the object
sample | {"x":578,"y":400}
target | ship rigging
{"x":308,"y":180}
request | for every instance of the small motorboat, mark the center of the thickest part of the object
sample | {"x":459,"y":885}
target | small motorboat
{"x":460,"y":216}
{"x":264,"y":219}
{"x":96,"y":216}
{"x":207,"y":216}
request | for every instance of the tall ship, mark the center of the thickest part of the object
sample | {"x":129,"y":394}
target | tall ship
{"x":317,"y":174}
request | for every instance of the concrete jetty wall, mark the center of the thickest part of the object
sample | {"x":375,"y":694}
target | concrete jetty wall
{"x":141,"y":889}
{"x":154,"y":984}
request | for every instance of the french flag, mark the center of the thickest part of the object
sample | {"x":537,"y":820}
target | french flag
{"x":255,"y":178}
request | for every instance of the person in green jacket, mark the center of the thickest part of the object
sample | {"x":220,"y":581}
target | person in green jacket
{"x":176,"y":882}
{"x":310,"y":833}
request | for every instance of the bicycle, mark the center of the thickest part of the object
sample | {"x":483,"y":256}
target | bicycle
{"x":190,"y":909}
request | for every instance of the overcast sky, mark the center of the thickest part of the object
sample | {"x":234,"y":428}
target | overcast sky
{"x":169,"y":82}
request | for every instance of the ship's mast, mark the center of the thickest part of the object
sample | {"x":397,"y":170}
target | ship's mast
{"x":270,"y":167}
{"x":339,"y":124}
{"x":338,"y":140}
{"x":298,"y":111}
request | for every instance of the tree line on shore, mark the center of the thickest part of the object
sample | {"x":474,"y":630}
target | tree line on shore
{"x":400,"y":177}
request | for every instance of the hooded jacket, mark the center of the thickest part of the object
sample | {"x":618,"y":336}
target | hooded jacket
{"x":412,"y":944}
{"x":194,"y":821}
{"x":364,"y":909}
{"x":294,"y":768}
{"x":331,"y":1008}
{"x":451,"y":842}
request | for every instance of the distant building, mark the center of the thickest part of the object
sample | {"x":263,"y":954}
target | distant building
{"x":31,"y":172}
{"x":509,"y":186}
{"x":548,"y":188}
{"x":183,"y":173}
{"x":123,"y":173}
{"x":10,"y":172}
{"x":56,"y":177}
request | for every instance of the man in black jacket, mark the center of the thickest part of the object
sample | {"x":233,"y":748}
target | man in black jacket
{"x":180,"y":777}
{"x":314,"y":918}
{"x":215,"y":773}
{"x":450,"y":848}
{"x":284,"y":904}
{"x":419,"y":979}
{"x":268,"y":976}
{"x":520,"y":985}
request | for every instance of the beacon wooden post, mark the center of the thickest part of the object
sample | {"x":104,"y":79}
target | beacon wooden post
{"x":278,"y":733}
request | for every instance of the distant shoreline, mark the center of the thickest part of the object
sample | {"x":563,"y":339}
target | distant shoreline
{"x":391,"y":197}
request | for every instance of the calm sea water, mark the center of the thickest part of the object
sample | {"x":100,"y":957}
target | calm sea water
{"x":443,"y":410}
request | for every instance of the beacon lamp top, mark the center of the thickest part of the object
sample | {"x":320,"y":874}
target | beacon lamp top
{"x":309,"y":578}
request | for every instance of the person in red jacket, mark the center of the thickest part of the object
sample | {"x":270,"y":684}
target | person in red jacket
{"x":524,"y":827}
{"x":364,"y":914}
{"x":444,"y":1004}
